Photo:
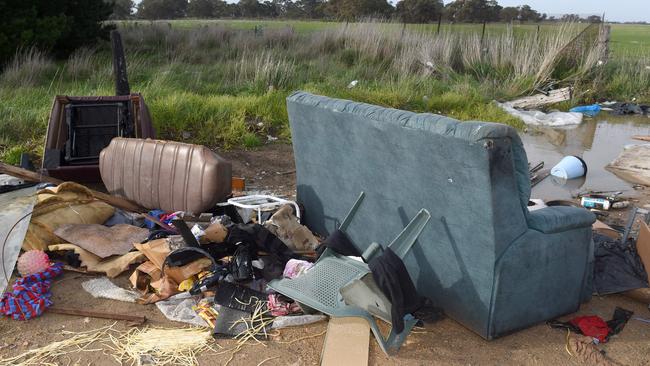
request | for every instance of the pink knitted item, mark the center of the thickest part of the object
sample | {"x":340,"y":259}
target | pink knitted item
{"x":33,"y":261}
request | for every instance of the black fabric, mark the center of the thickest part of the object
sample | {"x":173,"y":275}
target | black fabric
{"x":340,"y":243}
{"x":620,"y":318}
{"x":557,"y":324}
{"x":618,"y":267}
{"x":393,"y":279}
{"x":629,"y":108}
{"x":262,"y":240}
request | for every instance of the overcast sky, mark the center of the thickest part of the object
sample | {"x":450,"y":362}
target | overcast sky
{"x":615,"y":10}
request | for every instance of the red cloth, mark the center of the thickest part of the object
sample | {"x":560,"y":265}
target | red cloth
{"x":592,"y":326}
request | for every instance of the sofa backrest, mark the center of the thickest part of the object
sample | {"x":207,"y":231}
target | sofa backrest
{"x":471,"y":176}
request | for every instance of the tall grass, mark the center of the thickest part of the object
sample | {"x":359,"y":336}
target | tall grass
{"x":27,"y":68}
{"x":225,"y":86}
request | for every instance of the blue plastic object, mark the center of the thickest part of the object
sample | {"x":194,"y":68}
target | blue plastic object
{"x":587,"y":110}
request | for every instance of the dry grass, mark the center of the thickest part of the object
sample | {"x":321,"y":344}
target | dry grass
{"x":27,"y":68}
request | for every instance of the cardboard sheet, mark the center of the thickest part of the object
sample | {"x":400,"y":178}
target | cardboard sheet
{"x":346,"y":342}
{"x":643,"y":246}
{"x":112,"y":266}
{"x":101,"y":240}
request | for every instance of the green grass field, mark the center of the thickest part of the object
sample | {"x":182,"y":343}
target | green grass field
{"x":630,"y":40}
{"x":216,"y":80}
{"x":626,"y":39}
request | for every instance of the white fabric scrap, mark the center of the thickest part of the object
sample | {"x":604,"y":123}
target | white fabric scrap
{"x":178,"y":308}
{"x":296,"y":320}
{"x":103,"y":288}
{"x":538,"y":118}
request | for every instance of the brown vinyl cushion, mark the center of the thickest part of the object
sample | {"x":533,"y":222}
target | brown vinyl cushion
{"x":166,"y":175}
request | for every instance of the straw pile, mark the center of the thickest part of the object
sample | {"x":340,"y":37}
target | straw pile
{"x":161,"y":346}
{"x":46,"y":355}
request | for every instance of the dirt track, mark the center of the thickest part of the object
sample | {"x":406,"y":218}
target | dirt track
{"x":444,"y":342}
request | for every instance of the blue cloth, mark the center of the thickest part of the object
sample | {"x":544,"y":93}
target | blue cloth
{"x":30,"y":295}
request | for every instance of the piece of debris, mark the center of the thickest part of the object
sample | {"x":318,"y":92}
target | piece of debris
{"x":588,"y":110}
{"x":539,"y":100}
{"x":633,"y":164}
{"x":134,"y":319}
{"x":551,"y":119}
{"x":101,"y":240}
{"x":570,"y":167}
{"x":103,"y":288}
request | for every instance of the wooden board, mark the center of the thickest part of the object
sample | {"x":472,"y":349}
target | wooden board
{"x":641,"y":137}
{"x":346,"y":342}
{"x":538,"y":100}
{"x":36,"y":177}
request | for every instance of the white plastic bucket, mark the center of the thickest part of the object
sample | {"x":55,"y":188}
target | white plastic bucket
{"x":570,"y":167}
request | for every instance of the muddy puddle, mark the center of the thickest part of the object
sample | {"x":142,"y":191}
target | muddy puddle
{"x":598,"y":141}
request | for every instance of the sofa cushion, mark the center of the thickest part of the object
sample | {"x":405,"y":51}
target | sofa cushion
{"x":557,"y":219}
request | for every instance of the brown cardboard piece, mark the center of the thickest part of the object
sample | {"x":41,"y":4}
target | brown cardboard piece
{"x":346,"y":342}
{"x":643,"y":246}
{"x":155,"y":250}
{"x":112,"y":266}
{"x":101,"y":240}
{"x":602,"y":228}
{"x":215,"y":233}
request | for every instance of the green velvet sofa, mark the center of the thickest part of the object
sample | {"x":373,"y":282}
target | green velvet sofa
{"x":484,"y":258}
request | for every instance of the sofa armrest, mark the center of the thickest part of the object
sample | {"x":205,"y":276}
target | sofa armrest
{"x":557,"y":219}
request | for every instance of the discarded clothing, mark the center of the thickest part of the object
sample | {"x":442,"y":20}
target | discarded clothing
{"x":538,"y":118}
{"x":296,"y":267}
{"x":281,"y":306}
{"x":594,"y":326}
{"x":618,"y":321}
{"x":390,"y":274}
{"x":31,"y":294}
{"x":340,"y":243}
{"x":262,"y":239}
{"x":629,"y":108}
{"x":284,"y":224}
{"x":617,"y":267}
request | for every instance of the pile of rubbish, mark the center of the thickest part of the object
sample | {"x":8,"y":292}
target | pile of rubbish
{"x":240,"y":267}
{"x":526,"y":109}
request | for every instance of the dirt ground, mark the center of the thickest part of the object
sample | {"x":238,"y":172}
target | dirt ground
{"x":443,"y":342}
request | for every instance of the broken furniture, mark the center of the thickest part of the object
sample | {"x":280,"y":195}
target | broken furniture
{"x":262,"y":202}
{"x":166,"y":175}
{"x":320,"y":287}
{"x":80,"y":127}
{"x":488,"y":262}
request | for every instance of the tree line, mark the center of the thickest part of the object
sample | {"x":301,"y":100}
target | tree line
{"x":407,"y":11}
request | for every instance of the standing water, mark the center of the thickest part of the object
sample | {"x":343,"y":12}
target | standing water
{"x":598,"y":141}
